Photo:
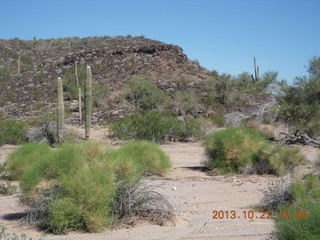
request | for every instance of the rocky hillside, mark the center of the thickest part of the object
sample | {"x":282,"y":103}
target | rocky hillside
{"x":30,"y":94}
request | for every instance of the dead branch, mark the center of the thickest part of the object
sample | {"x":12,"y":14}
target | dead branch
{"x":298,"y":137}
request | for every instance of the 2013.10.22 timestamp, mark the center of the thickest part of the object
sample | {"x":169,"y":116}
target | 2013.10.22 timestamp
{"x":251,"y":214}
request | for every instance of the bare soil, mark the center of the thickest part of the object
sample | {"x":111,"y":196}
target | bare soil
{"x":193,"y":193}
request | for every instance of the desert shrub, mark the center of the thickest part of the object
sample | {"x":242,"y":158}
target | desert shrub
{"x":154,"y":126}
{"x":12,"y":132}
{"x":300,"y":105}
{"x":71,"y":135}
{"x":74,"y":187}
{"x":307,"y":189}
{"x":54,"y":165}
{"x":7,"y":188}
{"x":99,"y":93}
{"x":301,"y":200}
{"x":295,"y":227}
{"x":147,"y":157}
{"x":5,"y":235}
{"x":217,"y":120}
{"x":144,"y":95}
{"x":231,"y":149}
{"x":24,"y":157}
{"x":86,"y":187}
{"x":245,"y":150}
{"x":186,"y":102}
{"x":64,"y":215}
{"x":135,"y":200}
{"x":278,"y":193}
{"x":275,"y":160}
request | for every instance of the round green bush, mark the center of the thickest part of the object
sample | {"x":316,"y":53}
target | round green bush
{"x":232,"y":148}
{"x":244,"y":150}
{"x":77,"y":183}
{"x":144,"y":157}
{"x":24,"y":157}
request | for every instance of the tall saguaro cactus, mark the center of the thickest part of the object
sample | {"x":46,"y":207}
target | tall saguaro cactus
{"x":19,"y":64}
{"x":88,"y":101}
{"x":79,"y":106}
{"x":256,"y":71}
{"x":76,"y":73}
{"x":60,"y":110}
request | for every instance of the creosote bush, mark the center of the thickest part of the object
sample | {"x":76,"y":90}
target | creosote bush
{"x":145,"y":96}
{"x":75,"y":186}
{"x":157,"y":127}
{"x":238,"y":149}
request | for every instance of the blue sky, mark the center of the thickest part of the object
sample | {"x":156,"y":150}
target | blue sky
{"x":222,"y":35}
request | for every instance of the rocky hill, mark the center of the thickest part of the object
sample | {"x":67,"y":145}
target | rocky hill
{"x":30,"y":93}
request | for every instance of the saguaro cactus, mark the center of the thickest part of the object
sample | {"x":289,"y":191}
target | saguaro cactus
{"x":256,"y":71}
{"x":60,"y":110}
{"x":80,"y":107}
{"x":88,"y":101}
{"x":76,"y":73}
{"x":18,"y":63}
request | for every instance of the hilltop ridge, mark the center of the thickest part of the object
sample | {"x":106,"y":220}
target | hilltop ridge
{"x":31,"y":93}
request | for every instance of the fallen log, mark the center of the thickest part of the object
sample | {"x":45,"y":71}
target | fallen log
{"x":298,"y":137}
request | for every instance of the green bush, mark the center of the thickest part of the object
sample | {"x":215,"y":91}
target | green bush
{"x":300,"y":104}
{"x":64,"y":215}
{"x":231,"y":149}
{"x":74,"y":186}
{"x":154,"y":126}
{"x":24,"y":157}
{"x":186,"y":102}
{"x":239,"y":149}
{"x":276,"y":160}
{"x":147,"y":157}
{"x":12,"y":132}
{"x":304,"y":220}
{"x":145,"y":96}
{"x":217,"y":120}
{"x":295,"y":228}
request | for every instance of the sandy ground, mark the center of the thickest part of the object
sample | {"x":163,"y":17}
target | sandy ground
{"x":193,"y":193}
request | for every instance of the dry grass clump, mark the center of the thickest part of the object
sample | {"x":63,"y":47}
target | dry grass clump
{"x":278,"y":193}
{"x":138,"y":201}
{"x":7,"y":188}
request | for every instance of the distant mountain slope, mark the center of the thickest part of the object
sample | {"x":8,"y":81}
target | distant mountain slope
{"x":114,"y":61}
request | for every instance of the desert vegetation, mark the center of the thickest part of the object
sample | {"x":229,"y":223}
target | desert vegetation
{"x":244,"y":150}
{"x":154,"y":118}
{"x":83,"y":186}
{"x":71,"y":183}
{"x":296,"y":207}
{"x":300,"y":104}
{"x":12,"y":132}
